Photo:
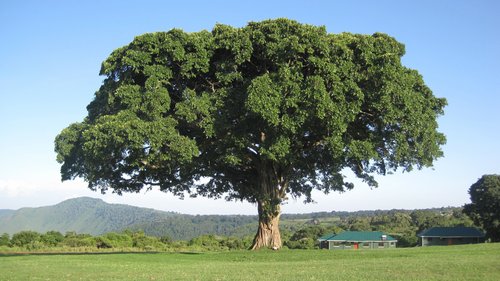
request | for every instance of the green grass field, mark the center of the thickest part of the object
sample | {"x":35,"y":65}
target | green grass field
{"x":469,"y":262}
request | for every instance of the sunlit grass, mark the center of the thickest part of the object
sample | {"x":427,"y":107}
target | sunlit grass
{"x":470,"y":262}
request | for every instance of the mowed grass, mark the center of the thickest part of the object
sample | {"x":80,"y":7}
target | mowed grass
{"x":468,"y":262}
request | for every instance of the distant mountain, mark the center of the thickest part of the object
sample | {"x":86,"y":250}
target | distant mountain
{"x":83,"y":215}
{"x":94,"y":216}
{"x":5,"y":212}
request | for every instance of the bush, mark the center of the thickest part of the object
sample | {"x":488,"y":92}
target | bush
{"x":117,"y":240}
{"x":231,"y":243}
{"x":304,"y":243}
{"x":166,"y":239}
{"x":139,"y":240}
{"x":51,"y":238}
{"x":24,"y":238}
{"x":35,"y":245}
{"x":5,"y":239}
{"x":406,"y":239}
{"x":103,"y":243}
{"x":205,"y":242}
{"x":305,"y":238}
{"x":76,"y":242}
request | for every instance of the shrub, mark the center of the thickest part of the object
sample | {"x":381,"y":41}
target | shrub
{"x":103,"y":243}
{"x":24,"y":238}
{"x":304,"y":243}
{"x":117,"y":240}
{"x":205,"y":242}
{"x":52,"y":238}
{"x":146,"y":242}
{"x":75,"y":242}
{"x":4,"y":239}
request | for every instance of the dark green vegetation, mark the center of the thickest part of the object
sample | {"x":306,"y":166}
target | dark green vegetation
{"x":176,"y":232}
{"x":485,"y":206}
{"x":260,"y":113}
{"x":469,"y":262}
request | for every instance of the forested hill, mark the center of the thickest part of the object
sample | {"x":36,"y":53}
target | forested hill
{"x":96,"y":217}
{"x":86,"y":215}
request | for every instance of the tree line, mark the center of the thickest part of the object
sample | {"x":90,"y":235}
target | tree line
{"x":404,"y":225}
{"x":28,"y":240}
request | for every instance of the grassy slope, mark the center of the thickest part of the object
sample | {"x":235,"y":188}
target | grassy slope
{"x":470,"y":262}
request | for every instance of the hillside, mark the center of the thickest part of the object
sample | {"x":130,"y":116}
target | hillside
{"x":84,"y":215}
{"x":94,"y":216}
{"x":5,"y":212}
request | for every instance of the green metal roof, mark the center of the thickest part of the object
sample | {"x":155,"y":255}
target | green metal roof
{"x":361,"y":236}
{"x":451,"y":232}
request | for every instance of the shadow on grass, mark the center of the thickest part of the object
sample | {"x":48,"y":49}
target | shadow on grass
{"x":16,"y":254}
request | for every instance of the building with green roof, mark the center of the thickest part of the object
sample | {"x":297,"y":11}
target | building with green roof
{"x":357,"y":240}
{"x":450,"y":236}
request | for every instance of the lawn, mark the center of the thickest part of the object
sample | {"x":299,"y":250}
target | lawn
{"x":469,"y":262}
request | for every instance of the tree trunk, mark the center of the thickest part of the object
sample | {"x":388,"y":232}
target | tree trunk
{"x":268,"y":235}
{"x":273,"y":187}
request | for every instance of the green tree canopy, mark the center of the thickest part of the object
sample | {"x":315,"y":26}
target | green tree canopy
{"x":485,"y":207}
{"x":257,"y":113}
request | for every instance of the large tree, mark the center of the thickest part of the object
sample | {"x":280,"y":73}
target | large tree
{"x":484,"y":208}
{"x":258,"y":113}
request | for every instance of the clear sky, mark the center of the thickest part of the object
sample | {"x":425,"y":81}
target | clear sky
{"x":51,"y":51}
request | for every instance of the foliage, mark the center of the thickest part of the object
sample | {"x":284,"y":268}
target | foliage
{"x":51,"y":238}
{"x":4,"y":239}
{"x":217,"y":243}
{"x":186,"y":227}
{"x":306,"y":238}
{"x":142,"y":241}
{"x":275,"y":108}
{"x":75,"y":242}
{"x":484,"y":208}
{"x":25,"y":238}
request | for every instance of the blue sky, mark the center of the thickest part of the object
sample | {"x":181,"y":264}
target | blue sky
{"x":51,"y":51}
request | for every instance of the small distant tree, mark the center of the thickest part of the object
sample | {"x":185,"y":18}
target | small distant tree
{"x":117,"y":240}
{"x":25,"y":238}
{"x":484,"y":208}
{"x":305,"y":238}
{"x":51,"y":238}
{"x":4,"y":239}
{"x":207,"y":242}
{"x":359,"y":224}
{"x":259,"y":113}
{"x":102,"y":242}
